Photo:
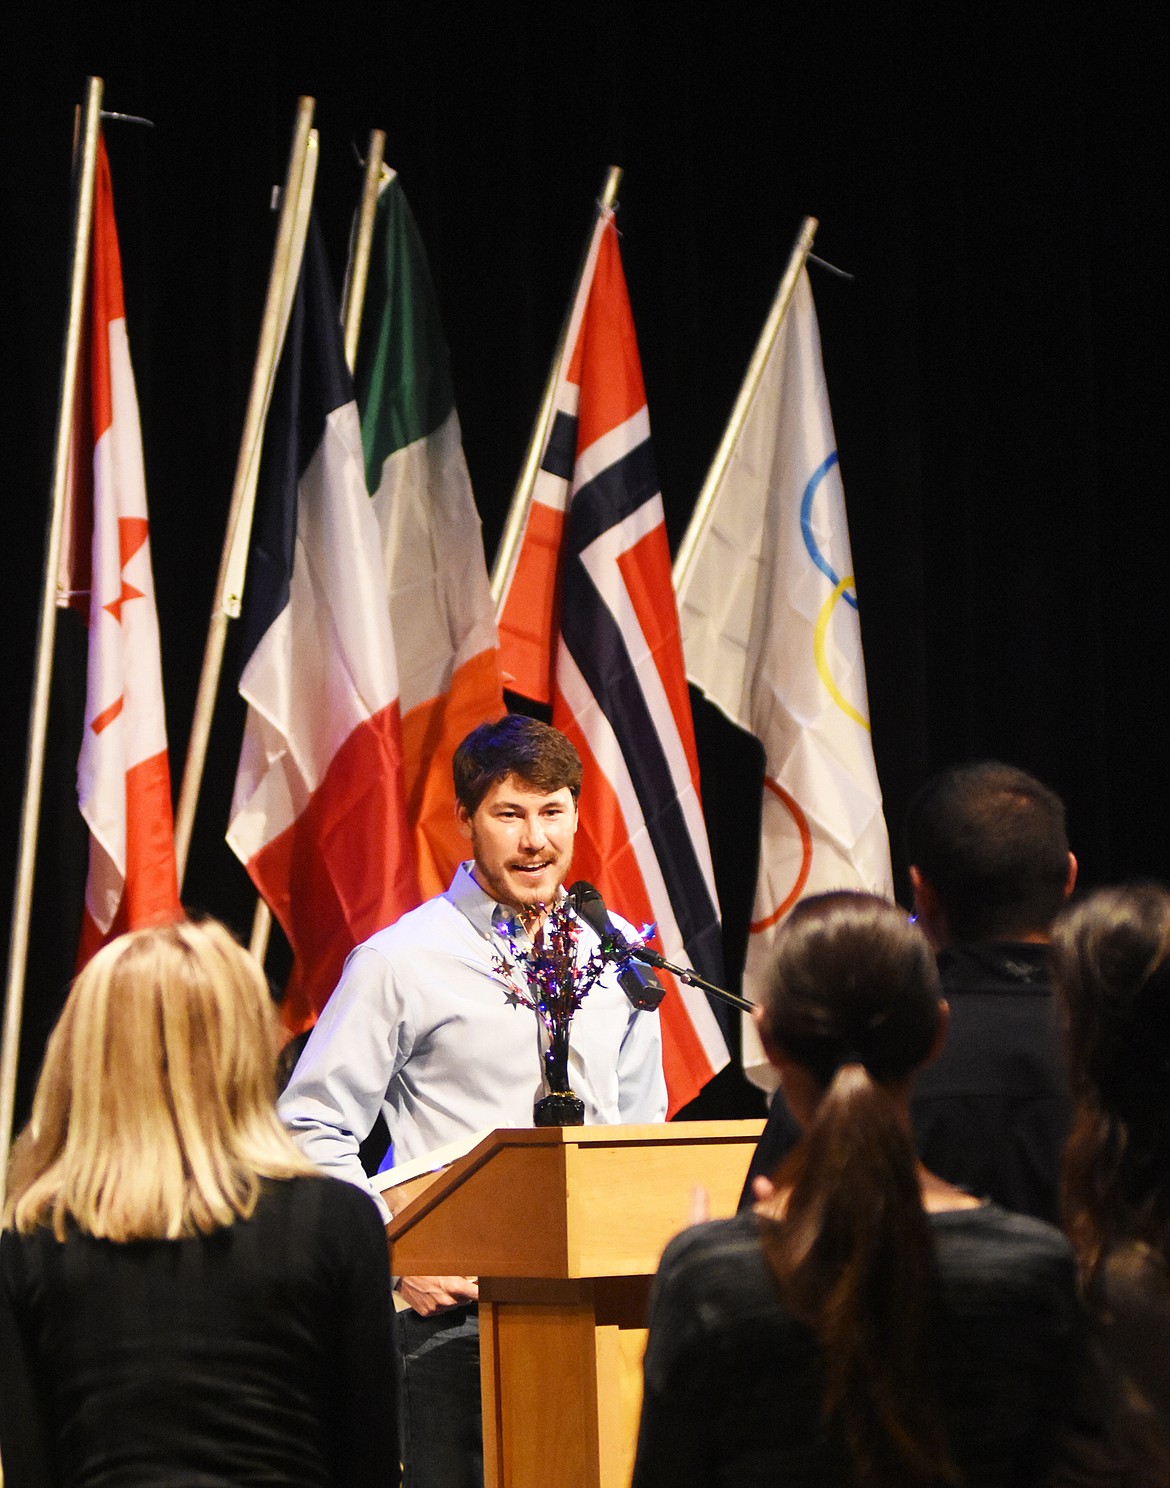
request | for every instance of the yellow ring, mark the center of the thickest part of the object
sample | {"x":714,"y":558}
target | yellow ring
{"x":819,"y":653}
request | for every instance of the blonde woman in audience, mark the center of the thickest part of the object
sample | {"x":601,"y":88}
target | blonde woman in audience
{"x":868,"y":1324}
{"x":1111,"y":968}
{"x":188,"y":1300}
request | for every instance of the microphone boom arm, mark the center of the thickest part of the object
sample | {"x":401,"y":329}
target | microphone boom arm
{"x":590,"y":906}
{"x":691,"y":978}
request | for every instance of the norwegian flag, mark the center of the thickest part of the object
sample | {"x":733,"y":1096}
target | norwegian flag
{"x":123,"y":775}
{"x":588,"y":621}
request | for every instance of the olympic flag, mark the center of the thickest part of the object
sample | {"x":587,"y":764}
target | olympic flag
{"x":596,"y":534}
{"x":771,"y":634}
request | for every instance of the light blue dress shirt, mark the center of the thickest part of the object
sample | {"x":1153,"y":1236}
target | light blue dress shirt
{"x":422,"y":1027}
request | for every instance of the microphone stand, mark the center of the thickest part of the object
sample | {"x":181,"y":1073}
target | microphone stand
{"x":691,"y":978}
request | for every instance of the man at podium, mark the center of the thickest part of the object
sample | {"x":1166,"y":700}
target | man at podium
{"x":424,"y":1028}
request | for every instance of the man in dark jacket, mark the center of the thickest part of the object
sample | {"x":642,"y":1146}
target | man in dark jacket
{"x":990,"y":867}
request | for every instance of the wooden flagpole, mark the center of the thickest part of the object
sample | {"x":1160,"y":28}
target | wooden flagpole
{"x":751,"y":381}
{"x":84,"y":169}
{"x":522,"y":496}
{"x":286,"y":257}
{"x":353,"y":300}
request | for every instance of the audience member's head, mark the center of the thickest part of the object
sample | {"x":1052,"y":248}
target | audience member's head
{"x":989,"y":855}
{"x":535,"y":753}
{"x":1111,"y":967}
{"x":153,"y":1116}
{"x":854,"y":981}
{"x":853,"y":1010}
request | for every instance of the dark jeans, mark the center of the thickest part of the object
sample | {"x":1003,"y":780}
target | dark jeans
{"x":441,"y":1418}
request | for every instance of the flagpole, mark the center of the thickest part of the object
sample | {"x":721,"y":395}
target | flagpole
{"x":800,"y":251}
{"x":236,"y":568}
{"x":85,"y":165}
{"x":277,"y":305}
{"x":522,"y":496}
{"x":354,"y":296}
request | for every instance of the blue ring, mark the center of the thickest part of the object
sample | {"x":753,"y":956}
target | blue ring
{"x":810,"y":542}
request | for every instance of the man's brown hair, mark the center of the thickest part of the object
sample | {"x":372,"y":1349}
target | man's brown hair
{"x":534,"y":752}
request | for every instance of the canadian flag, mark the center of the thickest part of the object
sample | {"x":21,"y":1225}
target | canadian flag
{"x":123,"y":775}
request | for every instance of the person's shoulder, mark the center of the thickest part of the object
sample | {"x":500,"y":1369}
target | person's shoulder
{"x":317,"y":1231}
{"x":22,"y":1250}
{"x":708,"y":1257}
{"x":415,"y":926}
{"x":715,"y":1303}
{"x":319,"y":1199}
{"x":991,"y":1222}
{"x":999,"y":1246}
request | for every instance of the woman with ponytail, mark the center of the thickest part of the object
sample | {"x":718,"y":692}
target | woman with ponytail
{"x":1111,"y":968}
{"x":868,"y":1326}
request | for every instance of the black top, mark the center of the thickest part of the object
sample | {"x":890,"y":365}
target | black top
{"x":732,"y":1393}
{"x":259,"y":1354}
{"x":991,"y":1113}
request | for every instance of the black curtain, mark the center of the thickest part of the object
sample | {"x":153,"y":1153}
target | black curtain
{"x":997,"y":366}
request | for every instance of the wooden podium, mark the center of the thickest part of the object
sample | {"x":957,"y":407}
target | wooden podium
{"x":564,"y":1227}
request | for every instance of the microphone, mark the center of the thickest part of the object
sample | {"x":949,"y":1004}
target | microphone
{"x":642,"y":987}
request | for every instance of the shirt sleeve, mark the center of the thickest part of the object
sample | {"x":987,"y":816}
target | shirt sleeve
{"x":340,"y":1081}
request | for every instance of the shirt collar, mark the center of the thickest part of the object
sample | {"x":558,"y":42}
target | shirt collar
{"x":470,"y":900}
{"x":995,"y":966}
{"x":484,"y":912}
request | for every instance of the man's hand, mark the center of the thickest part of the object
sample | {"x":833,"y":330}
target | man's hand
{"x":431,"y":1294}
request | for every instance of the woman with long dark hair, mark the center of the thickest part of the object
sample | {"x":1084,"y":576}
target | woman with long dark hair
{"x":868,"y":1325}
{"x":1111,"y":968}
{"x":187,"y":1300}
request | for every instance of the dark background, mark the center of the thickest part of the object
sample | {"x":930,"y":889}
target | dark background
{"x":997,"y":369}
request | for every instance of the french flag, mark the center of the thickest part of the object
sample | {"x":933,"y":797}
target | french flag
{"x":594,"y":571}
{"x":319,"y":814}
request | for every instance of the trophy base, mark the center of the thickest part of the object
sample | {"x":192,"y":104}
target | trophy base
{"x":561,"y":1108}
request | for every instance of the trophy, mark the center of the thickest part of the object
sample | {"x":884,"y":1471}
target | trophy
{"x":553,"y":985}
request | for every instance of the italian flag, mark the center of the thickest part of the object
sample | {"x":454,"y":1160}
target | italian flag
{"x":123,"y":775}
{"x":441,"y":611}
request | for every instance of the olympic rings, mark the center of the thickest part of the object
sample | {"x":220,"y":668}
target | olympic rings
{"x":840,"y":588}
